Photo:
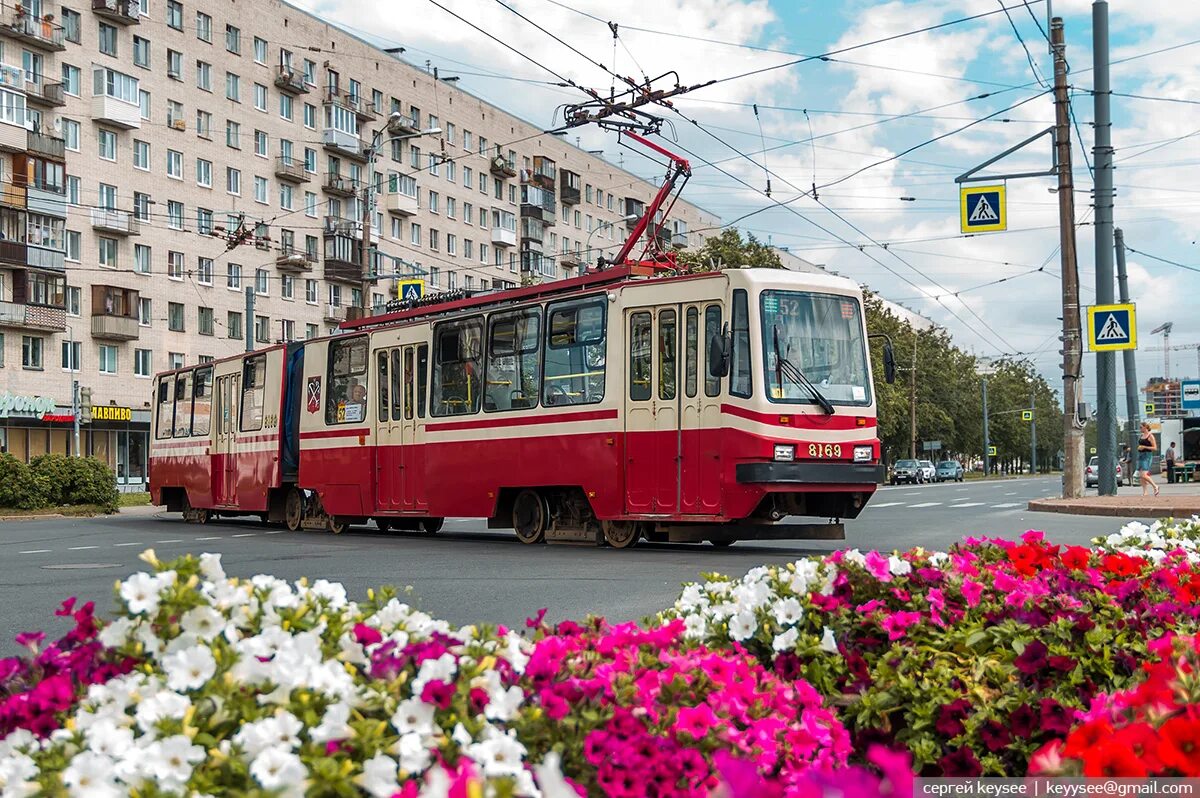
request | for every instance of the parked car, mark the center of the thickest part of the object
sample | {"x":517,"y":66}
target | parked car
{"x":907,"y":471}
{"x":949,"y":470}
{"x":928,"y":471}
{"x":1092,"y":477}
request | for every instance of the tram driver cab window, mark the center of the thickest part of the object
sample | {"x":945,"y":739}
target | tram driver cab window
{"x":346,"y":391}
{"x":457,"y":347}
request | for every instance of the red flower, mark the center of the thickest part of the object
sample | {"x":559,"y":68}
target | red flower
{"x":960,"y":763}
{"x":1027,"y":560}
{"x":1076,"y":558}
{"x":1032,"y":659}
{"x":995,"y":736}
{"x":951,"y":716}
{"x":1122,"y":565}
{"x":1143,"y":741}
{"x":1023,"y":721}
{"x":1056,"y":719}
{"x":1085,"y":737}
{"x":1180,"y":745}
{"x":1111,"y":760}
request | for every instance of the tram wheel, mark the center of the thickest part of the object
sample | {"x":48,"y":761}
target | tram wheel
{"x":384,"y":524}
{"x":431,"y":526}
{"x":621,"y":534}
{"x":293,"y":510}
{"x":531,"y":516}
{"x":338,"y":524}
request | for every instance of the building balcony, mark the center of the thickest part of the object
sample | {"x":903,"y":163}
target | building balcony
{"x":572,"y":258}
{"x":501,"y":167}
{"x":400,"y":204}
{"x":340,"y":185}
{"x":47,"y":201}
{"x":123,"y":12}
{"x":335,"y":314}
{"x":343,"y":270}
{"x":115,"y":112}
{"x":343,"y":143}
{"x":44,"y":318}
{"x":12,"y":196}
{"x":48,"y":146}
{"x":115,"y":328}
{"x":540,"y":212}
{"x":295,"y":260}
{"x":12,"y":77}
{"x":40,"y":257}
{"x":35,"y":31}
{"x":402,"y":127}
{"x":13,"y":252}
{"x":47,"y":95}
{"x":290,"y":169}
{"x":108,"y":220}
{"x":544,"y":172}
{"x":503,"y":237}
{"x":679,"y":240}
{"x":568,"y":188}
{"x":290,"y":80}
{"x":12,"y":137}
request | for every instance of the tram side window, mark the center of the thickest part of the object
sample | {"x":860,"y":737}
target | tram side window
{"x":183,"y":404}
{"x":398,"y":386}
{"x":422,"y":371}
{"x":668,"y":354}
{"x":346,"y":383}
{"x":408,"y":382}
{"x":457,"y":346}
{"x":690,"y":355}
{"x":639,"y":356}
{"x":739,"y":368}
{"x":712,"y":326}
{"x":513,"y":375}
{"x":382,"y":379}
{"x":574,"y":370}
{"x":254,"y":390}
{"x":202,"y":401}
{"x":165,"y":424}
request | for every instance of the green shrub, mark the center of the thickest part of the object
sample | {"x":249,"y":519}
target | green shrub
{"x":56,"y":477}
{"x":19,"y":488}
{"x":93,"y":482}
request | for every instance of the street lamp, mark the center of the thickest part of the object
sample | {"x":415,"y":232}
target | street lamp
{"x":627,"y":218}
{"x":984,"y":370}
{"x":369,"y":198}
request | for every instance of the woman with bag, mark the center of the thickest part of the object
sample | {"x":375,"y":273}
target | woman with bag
{"x":1146,"y":447}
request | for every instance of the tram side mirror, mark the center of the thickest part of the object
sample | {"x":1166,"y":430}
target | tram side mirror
{"x":718,"y":353}
{"x":889,"y":363}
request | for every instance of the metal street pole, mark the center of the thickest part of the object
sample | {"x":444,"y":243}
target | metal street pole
{"x":987,"y":460}
{"x":365,"y":264}
{"x":912,"y":401}
{"x":1102,"y":152}
{"x":1132,"y":408}
{"x":1033,"y":433}
{"x":249,"y":318}
{"x":1072,"y":337}
{"x":76,"y":405}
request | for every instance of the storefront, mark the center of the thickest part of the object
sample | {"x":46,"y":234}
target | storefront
{"x":36,"y":425}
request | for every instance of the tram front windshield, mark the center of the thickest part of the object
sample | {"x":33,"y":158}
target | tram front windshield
{"x":821,"y":335}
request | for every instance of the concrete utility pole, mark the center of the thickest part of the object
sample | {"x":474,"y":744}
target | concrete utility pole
{"x":249,"y":318}
{"x":366,"y":261}
{"x":1102,"y":152}
{"x":987,"y":459}
{"x":912,"y":401}
{"x":1033,"y":433}
{"x":1132,"y":408}
{"x":1072,"y":337}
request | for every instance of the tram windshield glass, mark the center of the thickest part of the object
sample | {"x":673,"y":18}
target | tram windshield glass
{"x":821,"y":335}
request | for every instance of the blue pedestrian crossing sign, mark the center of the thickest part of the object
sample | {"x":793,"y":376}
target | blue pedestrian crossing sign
{"x":1112,"y":327}
{"x":408,"y":290}
{"x":982,"y":209}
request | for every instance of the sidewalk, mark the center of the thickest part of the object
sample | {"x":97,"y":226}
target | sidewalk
{"x":1174,"y":501}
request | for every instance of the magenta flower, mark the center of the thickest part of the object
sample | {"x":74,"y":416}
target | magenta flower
{"x":367,"y":635}
{"x":972,"y":591}
{"x":877,"y":566}
{"x":898,"y":623}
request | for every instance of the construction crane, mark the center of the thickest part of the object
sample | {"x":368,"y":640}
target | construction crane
{"x":1177,"y":348}
{"x":1165,"y":328}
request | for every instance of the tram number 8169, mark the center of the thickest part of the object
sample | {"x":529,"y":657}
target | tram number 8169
{"x":829,"y":450}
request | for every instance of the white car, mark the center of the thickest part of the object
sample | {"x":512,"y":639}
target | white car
{"x":1093,"y":473}
{"x":928,"y":471}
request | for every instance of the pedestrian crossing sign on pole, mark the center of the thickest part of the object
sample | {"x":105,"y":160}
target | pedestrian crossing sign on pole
{"x":407,"y":290}
{"x":982,"y":209}
{"x":1149,"y":408}
{"x":1027,"y":415}
{"x":991,"y":451}
{"x":1112,"y":327}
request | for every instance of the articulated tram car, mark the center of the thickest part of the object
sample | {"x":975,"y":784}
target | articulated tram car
{"x":607,"y":408}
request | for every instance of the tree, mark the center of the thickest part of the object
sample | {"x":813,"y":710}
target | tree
{"x":730,"y":251}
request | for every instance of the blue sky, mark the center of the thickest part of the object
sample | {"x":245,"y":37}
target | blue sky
{"x":935,"y":78}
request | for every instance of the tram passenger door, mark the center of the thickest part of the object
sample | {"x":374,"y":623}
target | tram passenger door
{"x":413,"y":384}
{"x":388,"y":482}
{"x":700,"y":427}
{"x":652,"y":412}
{"x":225,"y":472}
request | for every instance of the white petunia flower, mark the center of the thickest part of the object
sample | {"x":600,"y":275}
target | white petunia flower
{"x":788,"y":611}
{"x":379,"y":776}
{"x":281,"y":730}
{"x":189,"y":669}
{"x":899,"y":566}
{"x":17,"y":772}
{"x":414,"y":756}
{"x":501,"y":754}
{"x":116,"y":633}
{"x":461,"y":736}
{"x":742,"y":625}
{"x":441,"y":669}
{"x":280,"y":769}
{"x":210,"y":567}
{"x":171,"y":761}
{"x":18,"y":741}
{"x":141,"y":592}
{"x":413,"y":715}
{"x":515,"y":648}
{"x":787,"y":640}
{"x":691,"y":599}
{"x":107,"y":738}
{"x":503,"y":704}
{"x":828,"y":643}
{"x":163,"y":704}
{"x":90,"y":775}
{"x":335,"y":724}
{"x":550,"y":778}
{"x":204,"y":622}
{"x":695,"y":627}
{"x":333,"y":592}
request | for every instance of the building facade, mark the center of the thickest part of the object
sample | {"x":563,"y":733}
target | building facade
{"x":141,"y":139}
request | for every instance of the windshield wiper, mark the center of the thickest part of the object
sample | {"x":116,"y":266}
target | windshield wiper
{"x":783,"y":367}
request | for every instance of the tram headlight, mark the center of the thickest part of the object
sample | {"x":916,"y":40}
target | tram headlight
{"x":785,"y":452}
{"x":862,"y":454}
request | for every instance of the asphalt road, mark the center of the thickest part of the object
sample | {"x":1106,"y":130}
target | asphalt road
{"x":467,"y":574}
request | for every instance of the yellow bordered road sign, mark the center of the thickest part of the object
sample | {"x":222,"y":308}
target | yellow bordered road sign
{"x":991,"y":451}
{"x":1112,"y":327}
{"x":1149,"y":408}
{"x":410,"y":289}
{"x":1027,"y":415}
{"x":982,"y":209}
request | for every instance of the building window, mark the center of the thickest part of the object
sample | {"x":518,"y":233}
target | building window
{"x":145,"y":311}
{"x":415,"y":234}
{"x":31,"y":352}
{"x":310,"y":116}
{"x":174,"y":64}
{"x":233,"y":40}
{"x":108,"y":359}
{"x":260,"y":282}
{"x":285,"y":107}
{"x":107,"y":248}
{"x":204,"y":320}
{"x":260,"y":97}
{"x":204,"y":271}
{"x":141,"y":258}
{"x":175,"y":164}
{"x":260,"y":50}
{"x":141,"y":52}
{"x":143,"y":99}
{"x":175,"y":115}
{"x":310,"y":291}
{"x":175,"y":316}
{"x":175,"y":265}
{"x":174,"y":214}
{"x":203,"y":27}
{"x":233,"y":276}
{"x":204,"y":221}
{"x":73,"y":299}
{"x":74,"y":242}
{"x":233,"y":180}
{"x":287,"y":286}
{"x":311,"y":331}
{"x":108,"y":39}
{"x":233,"y":87}
{"x":285,"y":197}
{"x":141,"y":206}
{"x":107,"y":144}
{"x":70,"y":129}
{"x":72,"y":25}
{"x":142,"y":362}
{"x":261,"y":143}
{"x":204,"y":125}
{"x":261,"y":188}
{"x":233,"y":135}
{"x":204,"y":75}
{"x":262,"y":329}
{"x":175,"y":14}
{"x":141,"y":155}
{"x":203,"y":173}
{"x":175,"y":360}
{"x":233,"y":324}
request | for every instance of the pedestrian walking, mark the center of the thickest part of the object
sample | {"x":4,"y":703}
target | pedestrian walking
{"x":1170,"y":458}
{"x":1126,"y":466}
{"x":1146,"y":447}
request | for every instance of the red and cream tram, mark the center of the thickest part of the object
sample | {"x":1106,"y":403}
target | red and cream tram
{"x":610,"y":408}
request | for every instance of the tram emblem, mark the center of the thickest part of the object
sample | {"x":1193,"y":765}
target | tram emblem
{"x":314,"y":394}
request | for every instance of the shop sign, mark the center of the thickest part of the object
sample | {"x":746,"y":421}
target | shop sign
{"x":12,"y":404}
{"x":110,"y":413}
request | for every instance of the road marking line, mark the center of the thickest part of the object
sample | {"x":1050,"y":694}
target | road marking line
{"x":924,"y":504}
{"x":885,"y":504}
{"x":966,"y":504}
{"x":1007,"y":504}
{"x":36,"y":551}
{"x":277,"y":531}
{"x":213,"y":537}
{"x":1013,"y":493}
{"x":81,"y":548}
{"x":245,"y":535}
{"x":133,"y":543}
{"x":171,"y":540}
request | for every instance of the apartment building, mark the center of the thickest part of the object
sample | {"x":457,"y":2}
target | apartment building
{"x":138,"y":137}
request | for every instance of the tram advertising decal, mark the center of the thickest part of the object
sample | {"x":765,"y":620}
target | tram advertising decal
{"x":314,"y":394}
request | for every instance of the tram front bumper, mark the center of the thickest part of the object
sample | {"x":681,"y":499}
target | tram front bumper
{"x":810,"y":473}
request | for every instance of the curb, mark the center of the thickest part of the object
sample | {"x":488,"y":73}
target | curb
{"x":1149,"y":510}
{"x":43,"y":516}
